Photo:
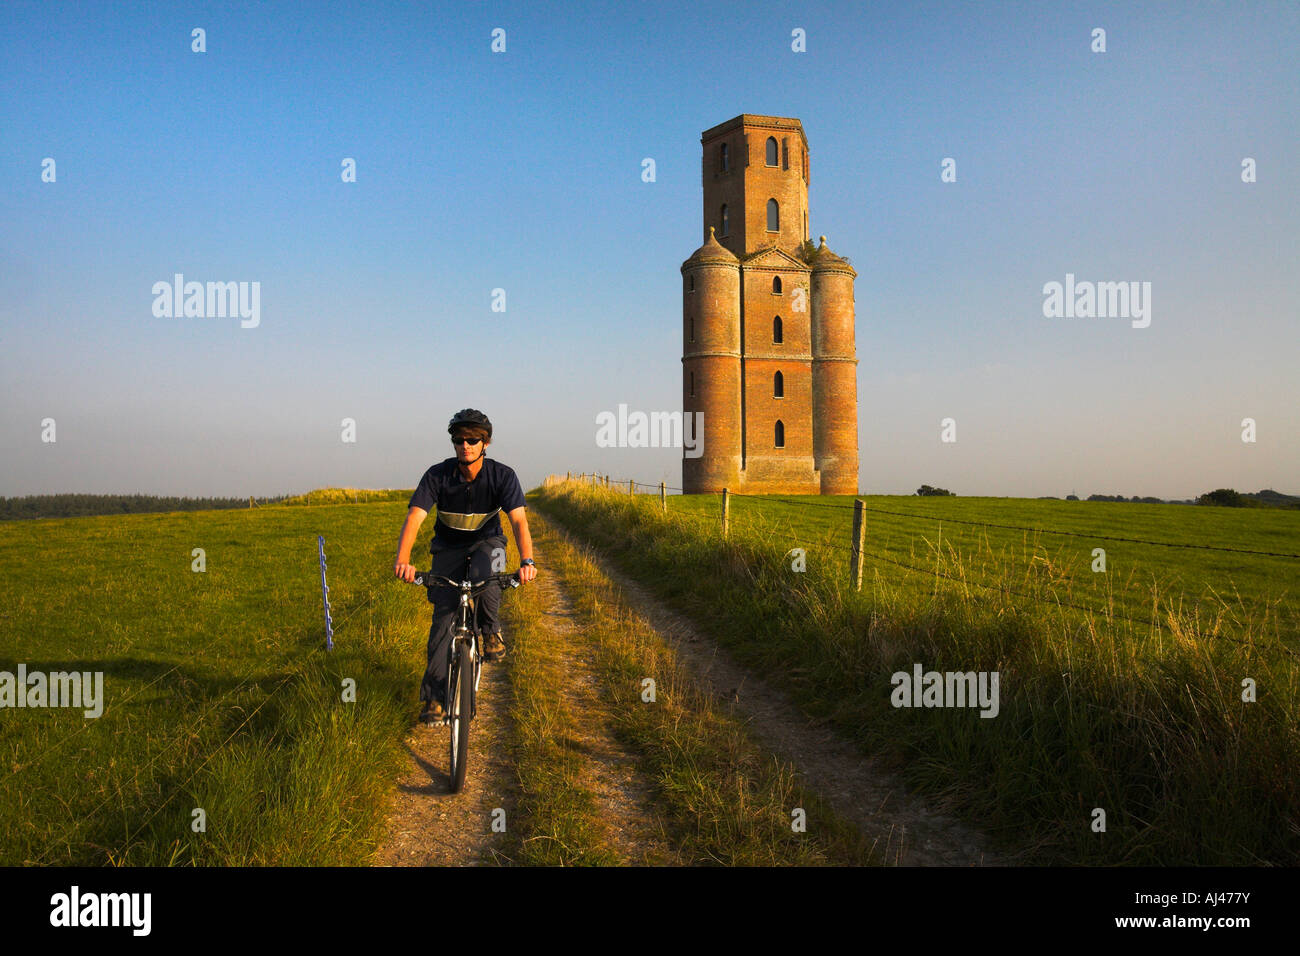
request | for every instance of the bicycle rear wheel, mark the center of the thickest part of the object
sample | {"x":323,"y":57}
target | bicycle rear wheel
{"x":461,"y":703}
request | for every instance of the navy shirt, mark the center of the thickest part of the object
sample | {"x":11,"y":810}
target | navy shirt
{"x":468,"y":511}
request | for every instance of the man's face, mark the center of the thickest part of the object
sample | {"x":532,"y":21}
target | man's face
{"x":466,"y":450}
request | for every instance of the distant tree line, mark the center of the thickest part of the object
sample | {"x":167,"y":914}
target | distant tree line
{"x":1221,"y":497}
{"x":76,"y":506}
{"x":1147,"y":500}
{"x":1228,"y":498}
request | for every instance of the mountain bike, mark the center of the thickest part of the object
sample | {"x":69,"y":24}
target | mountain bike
{"x":464,"y":665}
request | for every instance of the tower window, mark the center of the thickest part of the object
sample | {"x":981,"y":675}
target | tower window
{"x":692,"y":284}
{"x":780,"y":435}
{"x":773,"y":216}
{"x":776,"y":330}
{"x":692,"y":385}
{"x":725,"y":221}
{"x":692,"y":328}
{"x":771,"y":151}
{"x":778,"y":386}
{"x":785,"y":154}
{"x":776,"y":285}
{"x":726,"y":159}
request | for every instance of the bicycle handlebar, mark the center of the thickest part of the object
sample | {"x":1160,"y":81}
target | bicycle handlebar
{"x":429,"y":579}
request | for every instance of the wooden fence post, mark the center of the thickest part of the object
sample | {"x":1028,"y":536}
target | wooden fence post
{"x":663,"y":497}
{"x":726,"y":510}
{"x":859,"y":537}
{"x":629,"y":487}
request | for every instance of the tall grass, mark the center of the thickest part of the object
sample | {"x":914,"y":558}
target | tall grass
{"x":1144,"y":722}
{"x":727,"y":801}
{"x":557,"y":816}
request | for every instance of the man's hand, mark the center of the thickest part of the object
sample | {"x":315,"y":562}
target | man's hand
{"x":405,"y":571}
{"x":526,"y":573}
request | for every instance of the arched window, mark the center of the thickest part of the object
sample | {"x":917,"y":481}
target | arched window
{"x":725,"y":220}
{"x":773,"y":217}
{"x":778,"y":386}
{"x":771,"y":151}
{"x":780,"y":435}
{"x":776,"y":330}
{"x":725,"y":158}
{"x":776,"y":285}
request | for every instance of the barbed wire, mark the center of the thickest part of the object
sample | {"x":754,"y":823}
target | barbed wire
{"x":1005,"y":527}
{"x":1003,"y":589}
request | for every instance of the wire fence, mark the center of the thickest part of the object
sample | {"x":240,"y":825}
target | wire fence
{"x":858,"y":551}
{"x":620,"y":482}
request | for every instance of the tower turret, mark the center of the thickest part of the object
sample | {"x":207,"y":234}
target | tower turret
{"x":711,"y":365}
{"x":834,"y":374}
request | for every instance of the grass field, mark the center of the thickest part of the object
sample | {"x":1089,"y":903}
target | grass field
{"x":1144,"y":721}
{"x":220,"y":697}
{"x":959,"y":537}
{"x":219,"y":694}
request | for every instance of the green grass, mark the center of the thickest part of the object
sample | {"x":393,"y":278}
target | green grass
{"x":1096,"y":711}
{"x":219,"y":694}
{"x":1256,"y":590}
{"x":557,"y":817}
{"x":729,"y":802}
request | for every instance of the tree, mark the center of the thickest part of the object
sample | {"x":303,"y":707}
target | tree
{"x":1223,"y":497}
{"x":926,"y":491}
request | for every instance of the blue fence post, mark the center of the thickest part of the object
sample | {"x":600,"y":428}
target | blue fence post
{"x":325,"y":595}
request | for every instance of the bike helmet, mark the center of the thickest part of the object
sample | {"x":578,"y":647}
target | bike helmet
{"x":469,"y":418}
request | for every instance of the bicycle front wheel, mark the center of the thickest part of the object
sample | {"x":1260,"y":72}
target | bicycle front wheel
{"x":461,"y":710}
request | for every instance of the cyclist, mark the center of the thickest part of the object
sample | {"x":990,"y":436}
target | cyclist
{"x":468,"y":491}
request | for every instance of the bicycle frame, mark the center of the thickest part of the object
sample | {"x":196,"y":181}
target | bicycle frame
{"x":462,"y":634}
{"x":460,"y":711}
{"x":463,"y":641}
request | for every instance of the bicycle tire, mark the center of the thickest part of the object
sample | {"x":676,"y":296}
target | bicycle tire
{"x":461,"y":710}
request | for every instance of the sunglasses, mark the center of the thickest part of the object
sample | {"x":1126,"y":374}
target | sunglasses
{"x":466,"y":441}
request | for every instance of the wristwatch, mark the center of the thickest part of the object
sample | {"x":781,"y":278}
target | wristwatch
{"x":528,"y":561}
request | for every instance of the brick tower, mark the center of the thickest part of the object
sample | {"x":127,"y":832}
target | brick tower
{"x":767,"y":325}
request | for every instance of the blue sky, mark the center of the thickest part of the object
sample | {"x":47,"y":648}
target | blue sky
{"x":522,"y":170}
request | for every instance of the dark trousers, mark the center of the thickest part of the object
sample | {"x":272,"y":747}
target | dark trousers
{"x":450,"y":561}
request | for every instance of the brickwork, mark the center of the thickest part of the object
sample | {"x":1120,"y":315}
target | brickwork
{"x":731,"y":355}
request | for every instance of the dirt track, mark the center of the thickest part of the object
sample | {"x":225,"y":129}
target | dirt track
{"x":905,"y":830}
{"x":430,"y":826}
